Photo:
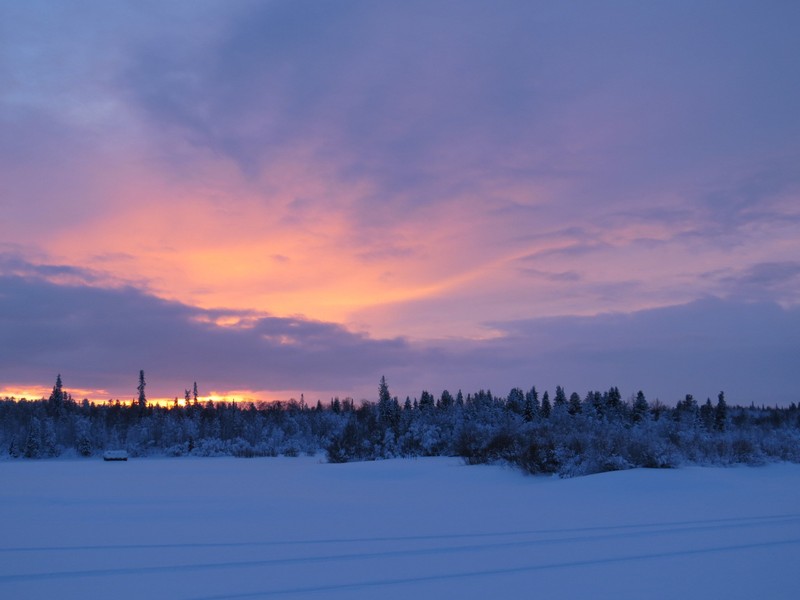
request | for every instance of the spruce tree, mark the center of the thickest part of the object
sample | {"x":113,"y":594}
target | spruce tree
{"x":426,"y":401}
{"x":384,"y":400}
{"x":721,"y":413}
{"x":531,"y":405}
{"x":515,"y":402}
{"x":33,"y":443}
{"x":56,"y":399}
{"x":546,"y":408}
{"x":388,"y":407}
{"x":142,"y":398}
{"x":574,"y":403}
{"x":640,"y":407}
{"x":560,"y":399}
{"x":707,"y":415}
{"x":446,"y":400}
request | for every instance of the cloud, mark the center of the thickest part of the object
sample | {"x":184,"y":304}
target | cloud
{"x":778,"y":280}
{"x":747,"y":349}
{"x":771,"y":274}
{"x":100,"y":336}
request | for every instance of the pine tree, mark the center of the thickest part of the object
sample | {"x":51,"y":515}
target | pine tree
{"x":613,"y":400}
{"x":383,"y":391}
{"x":574,"y":407}
{"x":560,"y":399}
{"x":721,"y":413}
{"x":640,"y":407}
{"x":426,"y":401}
{"x":388,"y":407}
{"x":83,"y":438}
{"x":531,"y":405}
{"x":33,"y":443}
{"x":546,"y":408}
{"x":446,"y":401}
{"x":707,"y":415}
{"x":56,"y":399}
{"x":515,"y":402}
{"x":49,"y":439}
{"x":142,"y":398}
{"x":13,"y":448}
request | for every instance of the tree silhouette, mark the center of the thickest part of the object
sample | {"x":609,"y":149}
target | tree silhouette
{"x":142,"y":398}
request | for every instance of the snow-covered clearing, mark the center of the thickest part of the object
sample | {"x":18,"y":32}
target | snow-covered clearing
{"x":426,"y":528}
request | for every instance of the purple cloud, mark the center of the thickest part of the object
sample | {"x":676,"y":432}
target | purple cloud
{"x":99,"y":337}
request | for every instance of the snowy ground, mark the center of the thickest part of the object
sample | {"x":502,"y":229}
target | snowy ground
{"x":425,"y":528}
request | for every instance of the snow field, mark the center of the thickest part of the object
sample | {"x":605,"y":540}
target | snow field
{"x":425,"y":528}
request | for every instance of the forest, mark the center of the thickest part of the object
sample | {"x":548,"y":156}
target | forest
{"x":567,"y":435}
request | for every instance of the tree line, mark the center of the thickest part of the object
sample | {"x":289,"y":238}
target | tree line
{"x":564,"y":434}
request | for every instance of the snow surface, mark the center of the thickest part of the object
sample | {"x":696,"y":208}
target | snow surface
{"x":425,"y":528}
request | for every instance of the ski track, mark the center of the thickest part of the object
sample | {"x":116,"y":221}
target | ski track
{"x":579,"y":538}
{"x":494,"y":572}
{"x":473,"y":553}
{"x":667,"y":525}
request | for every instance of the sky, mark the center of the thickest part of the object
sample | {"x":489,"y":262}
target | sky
{"x":276,"y":198}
